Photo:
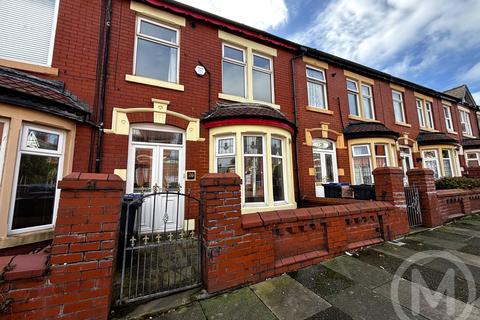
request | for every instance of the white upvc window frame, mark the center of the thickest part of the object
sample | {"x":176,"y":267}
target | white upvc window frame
{"x":238,"y":63}
{"x":465,"y":123}
{"x":425,"y":113}
{"x":356,"y":93}
{"x":284,"y":171}
{"x":447,"y":112}
{"x":406,"y":156}
{"x":369,"y":97}
{"x":138,"y":35}
{"x":3,"y":144}
{"x":401,"y":104}
{"x":369,"y":155}
{"x":316,"y":81}
{"x":266,"y":71}
{"x":450,"y":161}
{"x":224,"y":155}
{"x":429,"y":115}
{"x":264,"y":163}
{"x":476,"y":153}
{"x":420,"y":113}
{"x":386,"y":149}
{"x":436,"y":159}
{"x":24,"y":149}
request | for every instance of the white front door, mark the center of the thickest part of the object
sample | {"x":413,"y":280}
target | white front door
{"x":407,"y":162}
{"x":325,"y":164}
{"x":156,"y":164}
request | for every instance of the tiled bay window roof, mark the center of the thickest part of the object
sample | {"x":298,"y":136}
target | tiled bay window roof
{"x":368,"y":130}
{"x":22,"y":89}
{"x":471,"y":144}
{"x":430,"y":138}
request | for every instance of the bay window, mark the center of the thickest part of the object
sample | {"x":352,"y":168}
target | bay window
{"x":362,"y":164}
{"x":157,"y":51}
{"x":442,"y":160}
{"x":278,"y":167}
{"x":233,"y":71}
{"x":398,"y":107}
{"x":448,"y":118}
{"x":3,"y":143}
{"x":465,"y":122}
{"x":369,"y":154}
{"x":430,"y":161}
{"x":39,"y":166}
{"x":447,"y":163}
{"x":360,"y":101}
{"x":316,"y":88}
{"x":262,"y":78}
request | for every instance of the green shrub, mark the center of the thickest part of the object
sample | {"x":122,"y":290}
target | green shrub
{"x":457,"y":183}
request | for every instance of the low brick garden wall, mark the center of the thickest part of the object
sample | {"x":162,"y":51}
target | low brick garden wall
{"x":241,"y":249}
{"x":458,"y":202}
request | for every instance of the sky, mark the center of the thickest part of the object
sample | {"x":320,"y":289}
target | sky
{"x":435,"y":43}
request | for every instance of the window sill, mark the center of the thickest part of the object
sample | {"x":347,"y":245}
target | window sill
{"x":468,"y":136}
{"x":154,"y":82}
{"x":24,"y":66}
{"x":452,"y":132}
{"x":319,"y":110}
{"x":428,"y":129}
{"x":230,"y":97}
{"x":26,"y":238}
{"x":403,"y":124}
{"x":361,"y":119}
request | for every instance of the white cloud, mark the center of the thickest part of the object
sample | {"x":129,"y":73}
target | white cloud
{"x":400,"y":37}
{"x":473,"y":74}
{"x":476,"y":96}
{"x":261,"y":14}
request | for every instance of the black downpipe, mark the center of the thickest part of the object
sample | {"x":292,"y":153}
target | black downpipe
{"x":295,"y":121}
{"x":103,"y":87}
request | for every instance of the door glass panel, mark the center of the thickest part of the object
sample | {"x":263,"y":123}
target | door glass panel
{"x":143,"y":170}
{"x":170,"y":170}
{"x":253,"y":179}
{"x":42,"y":140}
{"x":317,"y":164}
{"x":140,"y":135}
{"x":329,"y":167}
{"x":36,"y":188}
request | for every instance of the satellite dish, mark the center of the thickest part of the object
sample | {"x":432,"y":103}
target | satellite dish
{"x":200,"y":70}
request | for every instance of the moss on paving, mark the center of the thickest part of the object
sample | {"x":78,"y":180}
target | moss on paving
{"x":331,"y":313}
{"x":446,"y":235}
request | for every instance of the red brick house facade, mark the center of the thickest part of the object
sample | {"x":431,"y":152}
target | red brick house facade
{"x":172,"y":89}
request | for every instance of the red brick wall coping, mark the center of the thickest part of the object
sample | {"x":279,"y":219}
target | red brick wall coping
{"x":220,"y":179}
{"x":91,"y":181}
{"x":23,"y":266}
{"x":419,"y":171}
{"x":456,"y":192}
{"x":253,"y":220}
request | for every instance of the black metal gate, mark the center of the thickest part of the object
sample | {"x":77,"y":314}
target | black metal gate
{"x":159,"y":248}
{"x":413,"y":206}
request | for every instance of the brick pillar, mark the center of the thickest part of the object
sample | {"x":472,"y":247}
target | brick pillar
{"x":222,"y":234}
{"x":389,"y":187}
{"x":85,"y":243}
{"x":424,"y":180}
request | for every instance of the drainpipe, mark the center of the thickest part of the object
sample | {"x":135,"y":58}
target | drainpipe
{"x":103,"y":86}
{"x":298,"y":199}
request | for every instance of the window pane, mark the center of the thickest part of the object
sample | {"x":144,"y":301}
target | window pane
{"x":353,"y":104}
{"x":156,"y":61}
{"x":329,"y":167}
{"x":362,"y":170}
{"x":315,"y":74}
{"x":262,"y":86}
{"x":380,"y":150}
{"x":232,"y":53}
{"x":397,"y":108}
{"x":253,"y":145}
{"x":42,"y":140}
{"x":316,"y":96}
{"x":361,"y":150}
{"x":317,"y":164}
{"x":447,"y":163}
{"x":225,"y":146}
{"x":351,"y":85}
{"x":366,"y":90}
{"x":140,"y":135}
{"x":322,"y":144}
{"x":368,"y":108}
{"x":142,"y":181}
{"x":396,"y":96}
{"x":253,"y":180}
{"x":170,"y":170}
{"x":277,"y":177}
{"x":159,"y":32}
{"x":471,"y":156}
{"x":226,"y":164}
{"x":36,"y":187}
{"x":276,"y":147}
{"x":261,"y":62}
{"x":472,"y":163}
{"x":233,"y":81}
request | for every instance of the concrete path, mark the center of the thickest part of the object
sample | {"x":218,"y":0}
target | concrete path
{"x":366,"y":286}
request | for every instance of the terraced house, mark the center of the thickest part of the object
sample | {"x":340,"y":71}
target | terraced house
{"x":161,"y":93}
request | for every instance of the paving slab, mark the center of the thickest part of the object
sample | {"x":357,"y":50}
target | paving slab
{"x":237,"y":305}
{"x":358,"y":271}
{"x":322,"y":280}
{"x":440,"y":234}
{"x":464,"y":225}
{"x":398,"y":252}
{"x":361,"y":303}
{"x":474,"y":222}
{"x":189,"y":312}
{"x":466,"y":258}
{"x":422,"y":300}
{"x":443,"y":266}
{"x":331,"y":313}
{"x":454,"y":229}
{"x":446,"y":244}
{"x":288,"y":299}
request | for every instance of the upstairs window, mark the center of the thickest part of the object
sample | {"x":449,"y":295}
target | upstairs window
{"x":448,"y":118}
{"x":360,"y":107}
{"x":425,"y":114}
{"x":465,"y":122}
{"x":316,"y":87}
{"x":398,"y":107}
{"x":157,"y":47}
{"x":262,"y":78}
{"x":28,"y":30}
{"x":234,"y":70}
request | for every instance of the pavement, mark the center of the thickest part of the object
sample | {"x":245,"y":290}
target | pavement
{"x":364,"y":285}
